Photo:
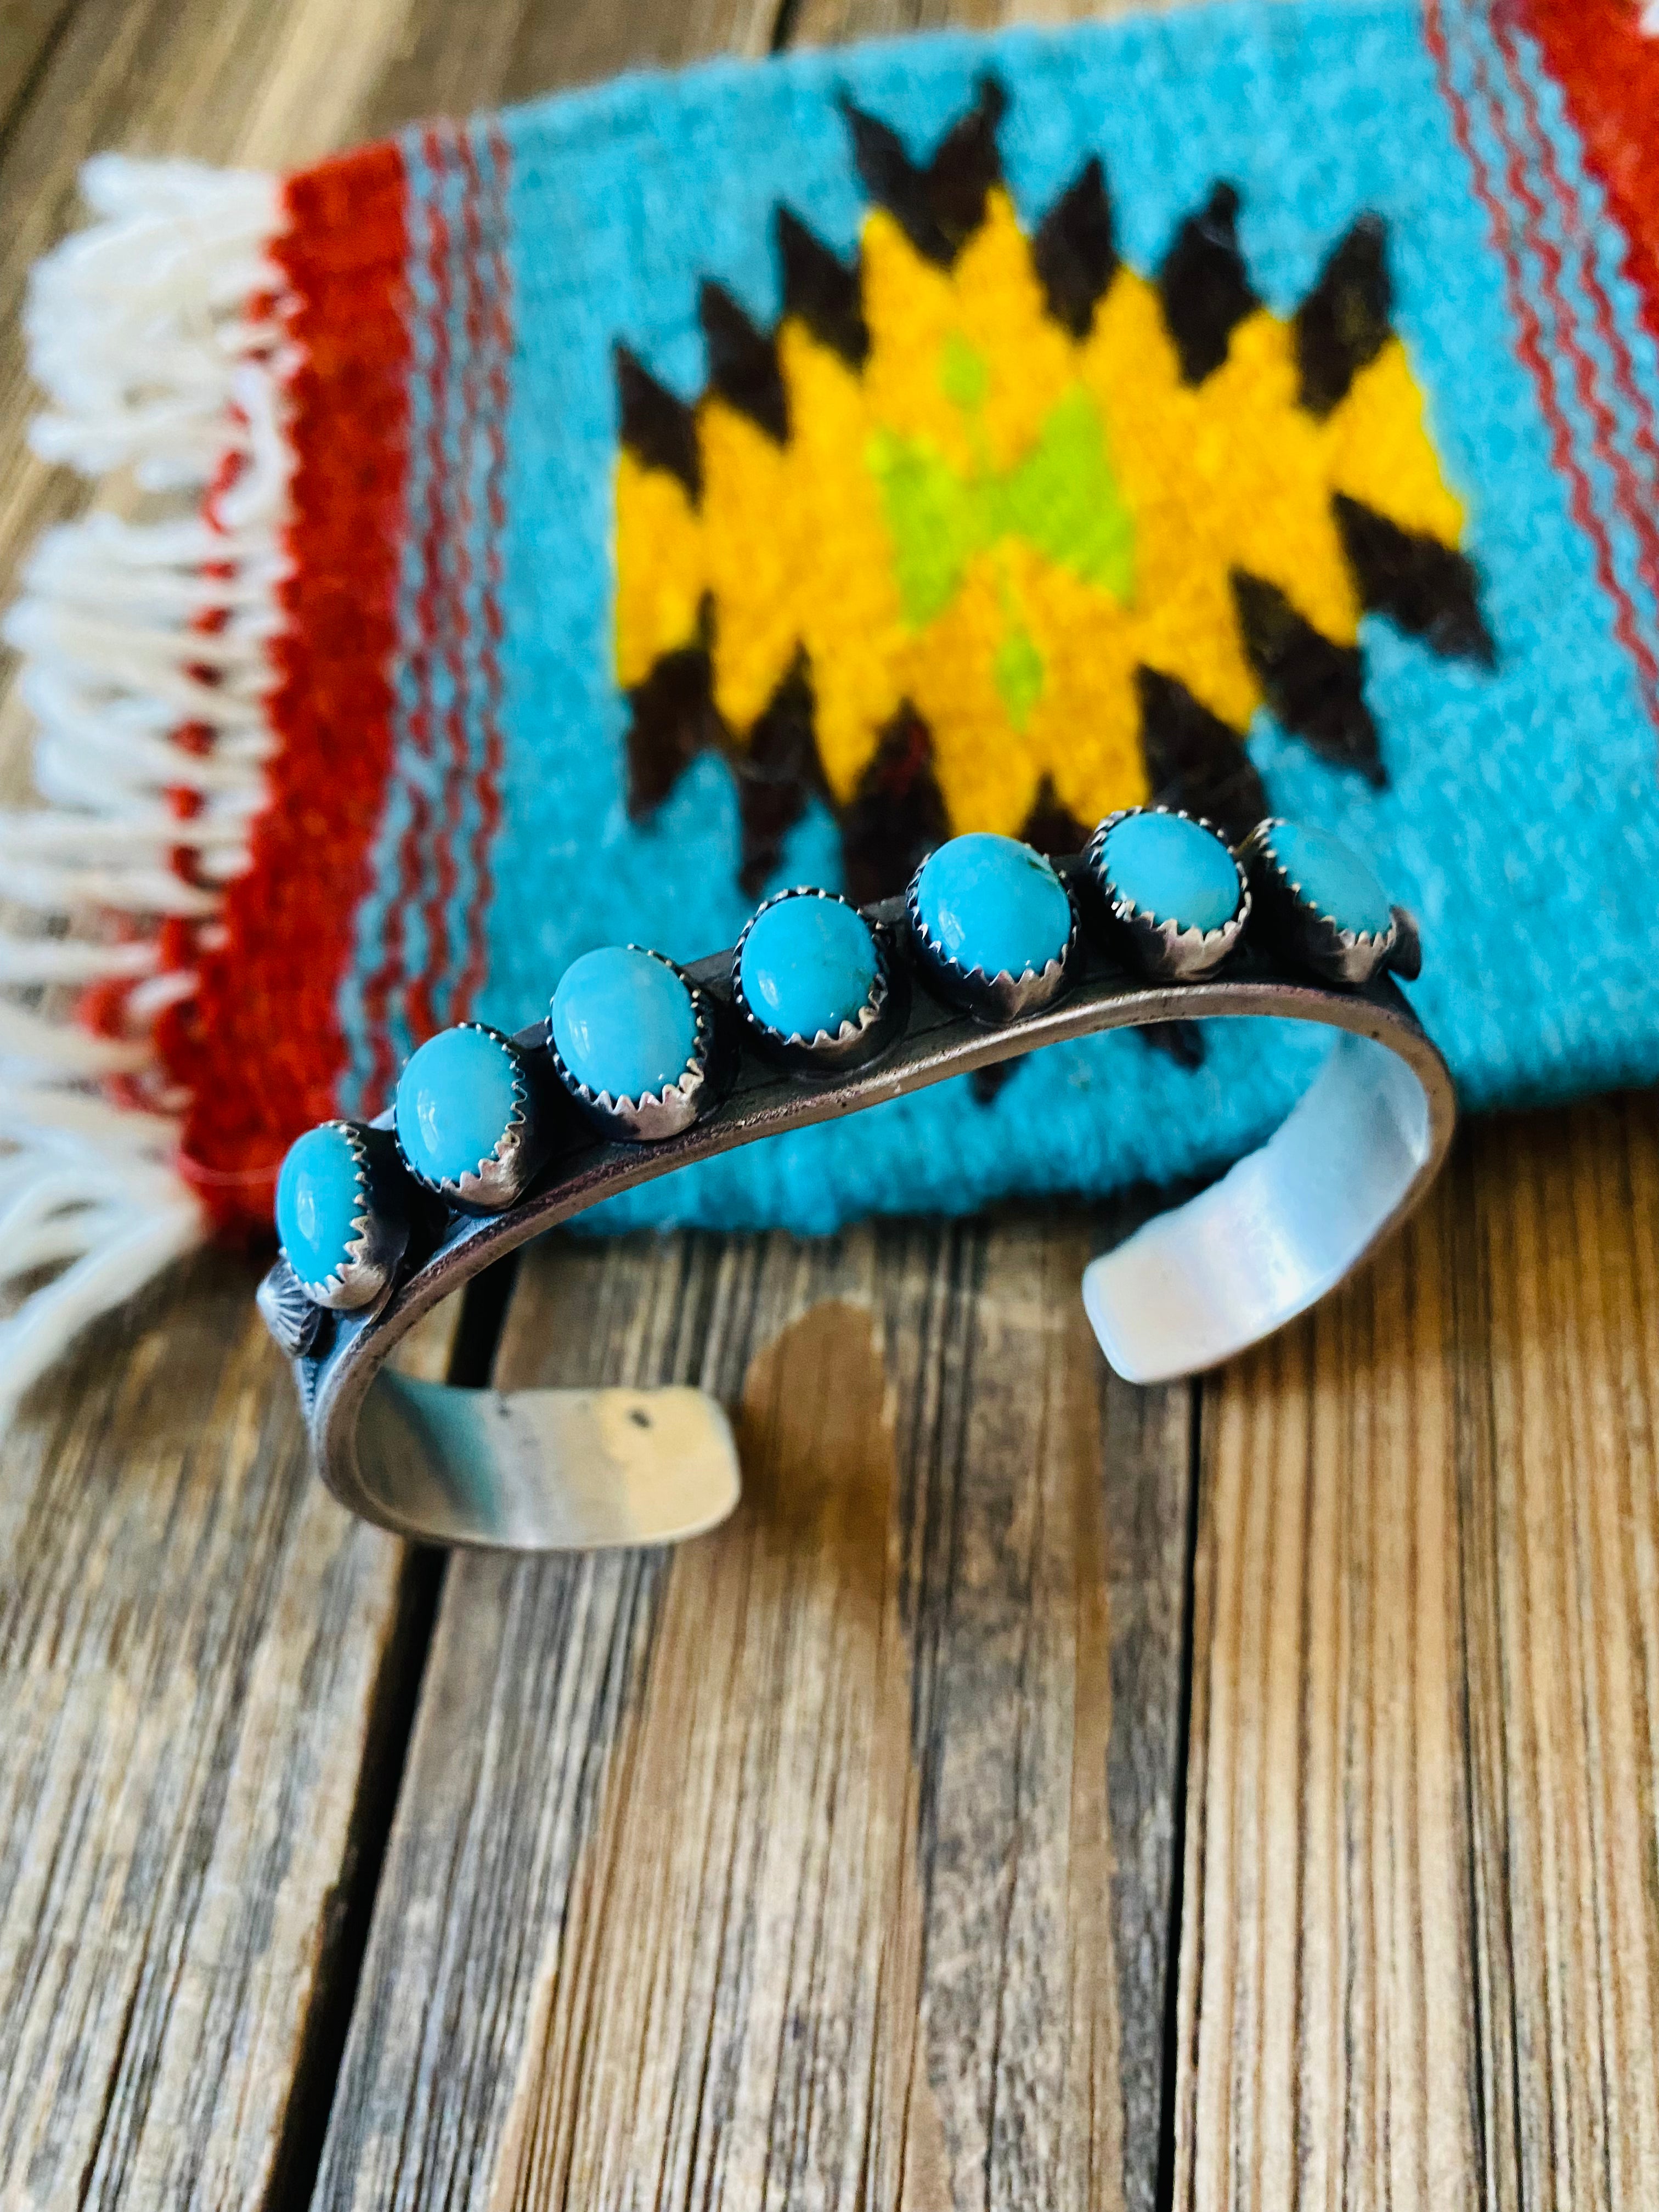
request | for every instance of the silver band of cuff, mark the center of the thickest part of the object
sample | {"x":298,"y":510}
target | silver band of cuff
{"x":538,"y":1470}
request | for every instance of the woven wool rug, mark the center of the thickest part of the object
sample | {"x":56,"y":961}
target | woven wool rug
{"x":587,"y":520}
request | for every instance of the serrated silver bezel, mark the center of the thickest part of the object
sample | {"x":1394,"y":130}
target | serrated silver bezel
{"x":501,"y":1180}
{"x":1163,"y":950}
{"x":659,"y":1114}
{"x":1300,"y":928}
{"x":380,"y":1239}
{"x":1002,"y":997}
{"x":858,"y":1039}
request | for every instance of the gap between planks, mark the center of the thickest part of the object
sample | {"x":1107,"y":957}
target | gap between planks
{"x":205,"y":1665}
{"x":826,"y":1859}
{"x":1420,"y":1949}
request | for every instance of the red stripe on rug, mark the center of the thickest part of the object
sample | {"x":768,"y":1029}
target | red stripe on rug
{"x":1608,"y":73}
{"x":434,"y":623}
{"x":1529,"y":346}
{"x":459,"y":772}
{"x":498,"y":293}
{"x":1636,"y":493}
{"x":259,"y":1048}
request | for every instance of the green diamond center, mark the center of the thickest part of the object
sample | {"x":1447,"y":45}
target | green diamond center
{"x":1061,"y":498}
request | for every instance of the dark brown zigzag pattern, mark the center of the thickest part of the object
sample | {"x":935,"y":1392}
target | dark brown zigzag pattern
{"x":940,"y":206}
{"x":1203,"y":285}
{"x":1314,"y":686}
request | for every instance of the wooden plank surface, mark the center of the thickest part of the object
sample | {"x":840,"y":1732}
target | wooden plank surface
{"x":194,"y":1646}
{"x":827,"y":22}
{"x":1420,"y":1959}
{"x":29,"y":31}
{"x":205,"y":1665}
{"x":815,"y":1862}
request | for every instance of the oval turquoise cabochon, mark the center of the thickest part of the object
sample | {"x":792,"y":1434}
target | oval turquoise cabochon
{"x":454,"y":1102}
{"x":809,"y":963}
{"x":1172,"y":869}
{"x":1332,"y":877}
{"x":624,"y":1022}
{"x":320,"y":1196}
{"x":993,"y":904}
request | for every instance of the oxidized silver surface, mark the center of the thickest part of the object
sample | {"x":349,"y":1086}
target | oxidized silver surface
{"x":1295,"y":925}
{"x":857,"y":1041}
{"x":1163,"y":949}
{"x":534,"y":1470}
{"x":1406,"y":958}
{"x":999,"y":998}
{"x":659,"y":1114}
{"x":502,"y":1178}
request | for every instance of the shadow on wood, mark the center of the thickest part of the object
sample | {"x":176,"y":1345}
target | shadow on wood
{"x":780,"y":1869}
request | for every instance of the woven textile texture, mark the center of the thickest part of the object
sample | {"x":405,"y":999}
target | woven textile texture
{"x":696,"y":485}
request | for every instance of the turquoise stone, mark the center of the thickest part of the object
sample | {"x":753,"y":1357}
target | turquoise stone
{"x":808,"y":964}
{"x":1172,"y":870}
{"x":319,"y":1197}
{"x":993,"y":903}
{"x":624,"y":1022}
{"x":454,"y":1102}
{"x":1331,"y":878}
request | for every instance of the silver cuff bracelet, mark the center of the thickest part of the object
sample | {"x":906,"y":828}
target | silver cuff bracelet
{"x":539,"y":1470}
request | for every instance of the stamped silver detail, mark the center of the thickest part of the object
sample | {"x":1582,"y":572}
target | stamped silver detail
{"x":293,"y":1319}
{"x":1163,"y":950}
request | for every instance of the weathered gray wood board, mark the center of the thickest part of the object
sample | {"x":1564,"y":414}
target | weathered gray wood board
{"x":823,"y":22}
{"x":28,"y":29}
{"x":452,"y":60}
{"x":203,"y":1661}
{"x":1420,"y":1956}
{"x":192,"y":1646}
{"x":815,"y":1862}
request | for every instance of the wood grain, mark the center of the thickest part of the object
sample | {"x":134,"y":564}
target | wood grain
{"x":204,"y":1666}
{"x":792,"y":1867}
{"x":521,"y":48}
{"x":192,"y":1646}
{"x":831,"y":23}
{"x":816,"y":1863}
{"x":1419,"y":1962}
{"x":29,"y":31}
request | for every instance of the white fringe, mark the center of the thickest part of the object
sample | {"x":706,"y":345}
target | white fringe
{"x":143,"y":331}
